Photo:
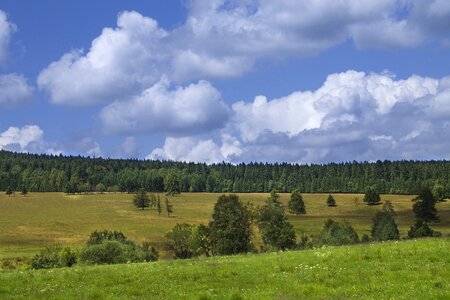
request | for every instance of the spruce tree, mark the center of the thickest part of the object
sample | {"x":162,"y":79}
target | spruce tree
{"x":424,"y":206}
{"x":296,"y":204}
{"x":330,"y":201}
{"x":141,"y":199}
{"x":24,"y":191}
{"x":372,"y":197}
{"x":158,"y":206}
{"x":9,"y":191}
{"x":384,"y":227}
{"x":169,"y":207}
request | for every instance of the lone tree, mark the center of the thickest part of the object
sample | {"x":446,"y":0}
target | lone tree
{"x":330,"y":201}
{"x":230,"y":230}
{"x":274,"y":198}
{"x":384,"y":227}
{"x":169,"y":207}
{"x":424,"y":206}
{"x":296,"y":204}
{"x":179,"y":240}
{"x":158,"y":205}
{"x":275,"y":229}
{"x":9,"y":191}
{"x":24,"y":191}
{"x":141,"y":199}
{"x":372,"y":197}
{"x":172,"y":184}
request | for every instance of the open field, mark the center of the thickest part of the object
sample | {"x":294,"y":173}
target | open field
{"x":396,"y":270}
{"x":29,"y":223}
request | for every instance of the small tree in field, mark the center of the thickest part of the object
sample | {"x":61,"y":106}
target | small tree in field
{"x":330,"y":201}
{"x":276,"y":231}
{"x":424,"y":206}
{"x":141,"y":199}
{"x":158,"y":205}
{"x":384,"y":227}
{"x":274,"y":198}
{"x":9,"y":191}
{"x":100,"y":188}
{"x":371,"y":197}
{"x":296,"y":204}
{"x":169,"y":207}
{"x":24,"y":191}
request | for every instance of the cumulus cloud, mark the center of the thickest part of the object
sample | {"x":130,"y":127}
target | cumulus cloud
{"x":26,"y":139}
{"x":352,"y":116}
{"x":6,"y":29}
{"x":14,"y":90}
{"x":224,"y":38}
{"x":183,"y":110}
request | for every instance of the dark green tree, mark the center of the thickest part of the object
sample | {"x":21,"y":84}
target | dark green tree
{"x":274,"y":198}
{"x":421,"y":229}
{"x":275,"y":229}
{"x":24,"y":191}
{"x":296,"y":204}
{"x":179,"y":240}
{"x":100,"y":188}
{"x":158,"y":205}
{"x":9,"y":191}
{"x":372,"y":197}
{"x":230,"y":230}
{"x":169,"y":207}
{"x":141,"y":199}
{"x":424,"y":206}
{"x":384,"y":227}
{"x":330,"y":201}
{"x":336,"y":234}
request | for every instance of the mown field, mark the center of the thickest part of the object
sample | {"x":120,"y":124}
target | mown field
{"x":413,"y":269}
{"x":29,"y":223}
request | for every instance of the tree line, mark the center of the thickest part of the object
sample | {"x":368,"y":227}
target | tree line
{"x":75,"y":174}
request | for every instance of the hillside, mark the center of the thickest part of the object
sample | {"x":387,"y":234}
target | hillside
{"x":414,"y":269}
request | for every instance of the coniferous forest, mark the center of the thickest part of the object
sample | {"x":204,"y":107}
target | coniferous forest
{"x":48,"y":173}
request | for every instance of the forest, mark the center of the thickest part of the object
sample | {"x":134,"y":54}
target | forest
{"x":76,"y":174}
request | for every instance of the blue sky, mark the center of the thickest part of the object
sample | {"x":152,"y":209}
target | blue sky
{"x":250,"y":80}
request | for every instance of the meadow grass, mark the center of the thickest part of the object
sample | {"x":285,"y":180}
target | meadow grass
{"x":412,"y":269}
{"x":29,"y":223}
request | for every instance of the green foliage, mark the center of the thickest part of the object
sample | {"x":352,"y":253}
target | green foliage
{"x":440,"y":192}
{"x":424,"y":206}
{"x":9,"y":191}
{"x":100,"y":188}
{"x":384,"y":227}
{"x":335,"y":234}
{"x":54,"y":257}
{"x":230,"y":229}
{"x":330,"y":201}
{"x":275,"y":229}
{"x":365,"y":239}
{"x":172,"y":184}
{"x":24,"y":191}
{"x":147,"y":252}
{"x":372,"y":197}
{"x":201,"y":242}
{"x":179,"y":241}
{"x":141,"y":199}
{"x":158,"y":206}
{"x":296,"y":204}
{"x":98,"y":237}
{"x":274,"y":198}
{"x":421,"y":229}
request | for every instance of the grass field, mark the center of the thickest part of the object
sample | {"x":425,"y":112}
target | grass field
{"x":32,"y":222}
{"x":396,"y":270}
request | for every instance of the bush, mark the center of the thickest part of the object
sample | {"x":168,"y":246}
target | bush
{"x":108,"y":252}
{"x":179,"y":240}
{"x":276,"y":231}
{"x":54,"y":257}
{"x":371,"y":197}
{"x":421,"y":229}
{"x":15,"y":263}
{"x":384,"y":227}
{"x":98,"y":237}
{"x":335,"y":234}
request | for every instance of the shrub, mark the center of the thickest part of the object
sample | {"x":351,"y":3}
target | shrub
{"x":371,"y":197}
{"x":421,"y":229}
{"x":67,"y":257}
{"x":54,"y":257}
{"x":335,"y":234}
{"x":15,"y":263}
{"x":275,"y":229}
{"x":384,"y":227}
{"x":179,"y":240}
{"x":108,"y":252}
{"x":98,"y":237}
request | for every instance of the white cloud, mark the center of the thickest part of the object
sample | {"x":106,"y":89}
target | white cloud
{"x":14,"y":90}
{"x":26,"y":139}
{"x":183,"y":110}
{"x":226,"y":38}
{"x":352,"y":116}
{"x":6,"y":29}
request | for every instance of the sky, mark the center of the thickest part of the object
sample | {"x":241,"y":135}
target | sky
{"x":223,"y":80}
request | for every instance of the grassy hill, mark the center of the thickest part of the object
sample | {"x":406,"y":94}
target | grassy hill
{"x":32,"y":222}
{"x":414,"y":269}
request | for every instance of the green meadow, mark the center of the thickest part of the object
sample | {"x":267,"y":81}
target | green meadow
{"x":30,"y":223}
{"x":412,"y":269}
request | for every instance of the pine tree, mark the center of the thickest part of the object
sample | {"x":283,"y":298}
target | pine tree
{"x":141,"y":199}
{"x":158,"y":206}
{"x":424,"y":206}
{"x":296,"y":204}
{"x":24,"y":191}
{"x":384,"y":227}
{"x":372,"y":197}
{"x":9,"y":191}
{"x":330,"y":201}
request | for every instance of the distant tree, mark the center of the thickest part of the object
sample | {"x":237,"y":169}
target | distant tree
{"x":372,"y":197}
{"x":424,"y":206}
{"x":439,"y":192}
{"x":9,"y":191}
{"x":158,"y":205}
{"x":336,"y":234}
{"x":276,"y":231}
{"x":169,"y":207}
{"x":296,"y":204}
{"x":152,"y":200}
{"x":230,"y":229}
{"x":274,"y":198}
{"x":201,"y":242}
{"x":24,"y":191}
{"x":100,"y":188}
{"x":384,"y":227}
{"x":421,"y":229}
{"x":98,"y":237}
{"x":330,"y":201}
{"x":179,"y":240}
{"x":172,"y":184}
{"x":141,"y":199}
